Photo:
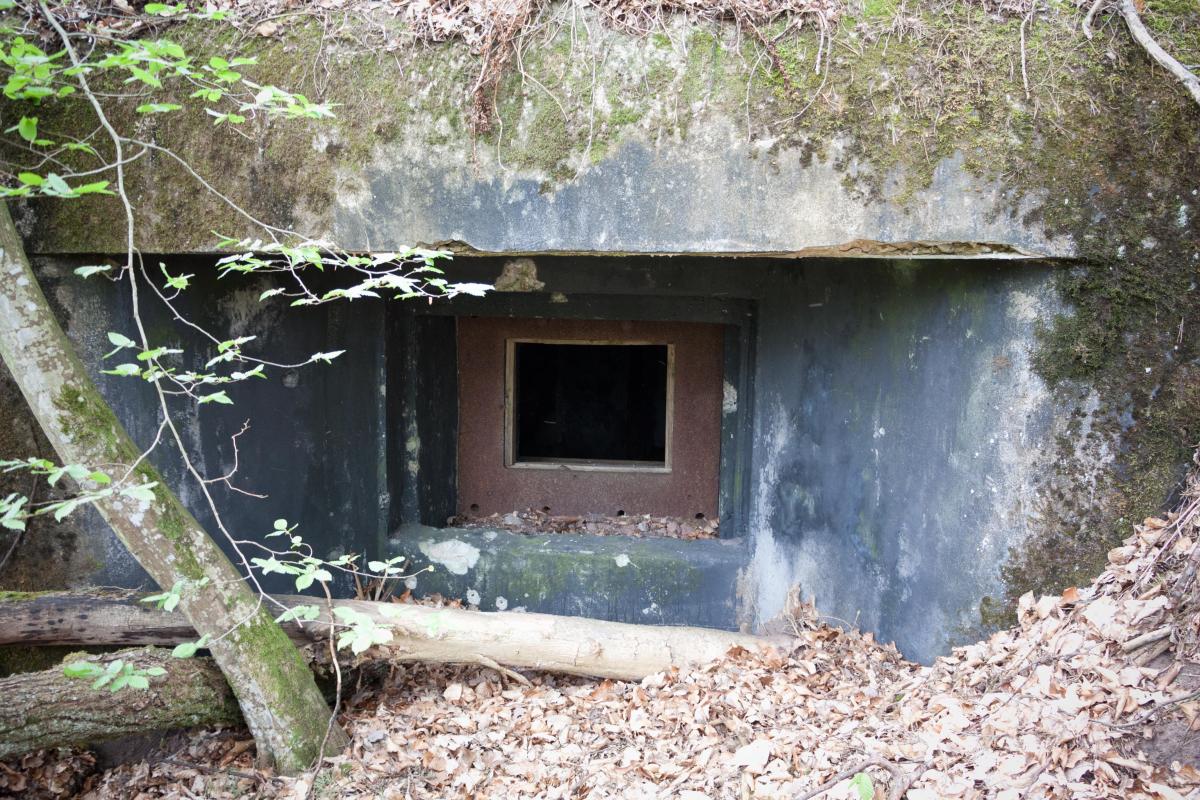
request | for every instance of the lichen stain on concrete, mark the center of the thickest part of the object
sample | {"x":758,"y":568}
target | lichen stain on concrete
{"x":519,"y":275}
{"x":455,"y":555}
{"x":246,"y":314}
{"x":412,"y":447}
{"x":729,"y":398}
{"x":622,"y":560}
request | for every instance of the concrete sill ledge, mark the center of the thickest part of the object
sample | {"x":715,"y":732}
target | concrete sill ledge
{"x":622,"y":578}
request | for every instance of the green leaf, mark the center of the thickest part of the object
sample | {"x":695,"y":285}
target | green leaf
{"x":54,"y":185}
{"x":272,"y":564}
{"x":81,"y":669}
{"x":185,"y":650}
{"x":861,"y":783}
{"x":96,"y":187}
{"x":216,"y":397}
{"x":87,"y":272}
{"x":162,"y":9}
{"x":120,"y":340}
{"x":154,"y":672}
{"x":326,"y":357}
{"x":27,"y":127}
{"x":143,"y":493}
{"x":138,"y":682}
{"x":145,"y":76}
{"x":158,"y":108}
{"x":31,"y":178}
{"x":123,"y":370}
{"x":188,"y":649}
{"x":299,"y":612}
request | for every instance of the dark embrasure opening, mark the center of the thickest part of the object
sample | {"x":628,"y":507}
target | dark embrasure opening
{"x":590,"y":402}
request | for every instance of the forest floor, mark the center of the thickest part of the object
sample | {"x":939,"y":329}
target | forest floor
{"x":1094,"y":694}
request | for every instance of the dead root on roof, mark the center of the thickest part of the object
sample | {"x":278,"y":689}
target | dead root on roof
{"x":1093,"y":695}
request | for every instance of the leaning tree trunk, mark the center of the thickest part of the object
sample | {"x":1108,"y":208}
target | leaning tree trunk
{"x":48,"y":709}
{"x":277,"y":694}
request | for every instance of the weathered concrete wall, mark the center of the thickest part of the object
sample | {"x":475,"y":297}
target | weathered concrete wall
{"x":714,"y":193}
{"x":901,"y":441}
{"x":645,"y":581}
{"x":614,"y":144}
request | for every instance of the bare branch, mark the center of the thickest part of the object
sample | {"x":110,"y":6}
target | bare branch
{"x":1091,"y":15}
{"x":1155,"y":51}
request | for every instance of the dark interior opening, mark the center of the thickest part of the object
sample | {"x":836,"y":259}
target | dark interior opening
{"x":590,"y":402}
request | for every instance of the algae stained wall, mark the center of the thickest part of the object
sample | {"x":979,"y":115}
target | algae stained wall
{"x":900,"y":439}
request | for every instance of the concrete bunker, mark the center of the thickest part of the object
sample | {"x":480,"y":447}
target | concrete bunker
{"x":885,"y":439}
{"x":871,"y":430}
{"x":864,"y":424}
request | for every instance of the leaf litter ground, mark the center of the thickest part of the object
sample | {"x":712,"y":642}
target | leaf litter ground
{"x":1093,"y":695}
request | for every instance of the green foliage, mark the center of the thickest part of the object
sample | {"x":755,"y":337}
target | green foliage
{"x":361,"y":633}
{"x":862,"y":783}
{"x":15,"y":509}
{"x":169,"y":600}
{"x":35,"y":77}
{"x":118,"y":675}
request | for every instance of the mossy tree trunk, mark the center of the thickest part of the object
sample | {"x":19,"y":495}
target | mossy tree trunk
{"x":48,"y":709}
{"x":275,"y":689}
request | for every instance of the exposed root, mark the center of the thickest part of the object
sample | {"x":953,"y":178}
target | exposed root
{"x":1129,"y":12}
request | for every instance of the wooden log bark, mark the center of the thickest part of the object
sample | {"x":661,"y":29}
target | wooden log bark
{"x":570,"y":645}
{"x":48,"y":709}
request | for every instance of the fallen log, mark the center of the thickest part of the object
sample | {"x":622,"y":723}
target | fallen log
{"x":570,"y":645}
{"x":48,"y":709}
